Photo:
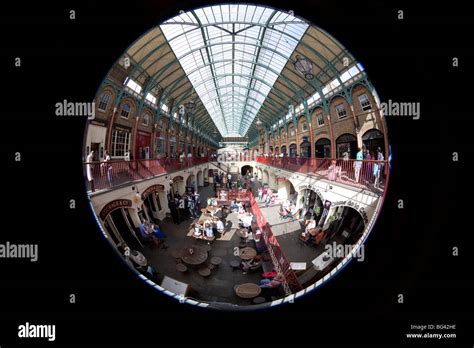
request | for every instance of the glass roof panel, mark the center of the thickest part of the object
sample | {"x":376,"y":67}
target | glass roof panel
{"x":233,"y":54}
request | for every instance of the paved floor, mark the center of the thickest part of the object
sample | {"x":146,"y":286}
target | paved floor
{"x":218,"y":287}
{"x":287,"y":232}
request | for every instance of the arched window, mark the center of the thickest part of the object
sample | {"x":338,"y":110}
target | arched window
{"x":104,"y":101}
{"x":146,"y":120}
{"x":125,"y":111}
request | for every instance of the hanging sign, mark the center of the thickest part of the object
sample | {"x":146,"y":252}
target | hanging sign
{"x":115,"y":204}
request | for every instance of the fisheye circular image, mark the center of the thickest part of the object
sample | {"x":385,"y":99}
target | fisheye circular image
{"x":237,"y":158}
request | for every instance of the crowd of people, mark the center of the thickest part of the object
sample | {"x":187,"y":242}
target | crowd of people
{"x":184,"y":207}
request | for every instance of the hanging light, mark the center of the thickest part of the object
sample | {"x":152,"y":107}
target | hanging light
{"x":304,"y":67}
{"x":190,"y":106}
{"x":258,"y":124}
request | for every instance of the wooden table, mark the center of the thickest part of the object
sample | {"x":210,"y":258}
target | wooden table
{"x":248,"y":290}
{"x":234,"y":264}
{"x":181,"y":267}
{"x":198,"y":256}
{"x":204,"y":272}
{"x":216,"y":261}
{"x":247,"y":253}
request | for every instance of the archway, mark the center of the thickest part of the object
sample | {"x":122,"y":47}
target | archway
{"x":322,"y":148}
{"x":178,"y":185}
{"x":260,"y":174}
{"x":283,"y":149}
{"x":191,"y":182}
{"x":311,"y":204}
{"x":373,"y":139}
{"x":200,"y":179}
{"x":305,"y":149}
{"x":273,"y":182}
{"x":293,"y":150}
{"x":346,"y":143}
{"x":266,"y":178}
{"x":285,"y":188}
{"x":246,"y":170}
{"x":344,"y":225}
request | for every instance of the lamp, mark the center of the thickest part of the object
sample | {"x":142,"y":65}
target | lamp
{"x":258,"y":124}
{"x":304,"y":67}
{"x":190,"y":106}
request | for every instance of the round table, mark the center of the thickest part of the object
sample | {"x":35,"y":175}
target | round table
{"x":248,"y":290}
{"x":258,"y":300}
{"x":205,"y":272}
{"x":247,"y":253}
{"x":216,"y":261}
{"x":198,"y":256}
{"x":181,"y":267}
{"x":234,"y":264}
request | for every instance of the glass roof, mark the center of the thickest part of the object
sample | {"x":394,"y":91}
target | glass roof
{"x":233,"y":54}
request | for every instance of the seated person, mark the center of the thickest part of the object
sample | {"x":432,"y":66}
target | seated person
{"x":157,"y":232}
{"x":208,"y":230}
{"x":251,"y":265}
{"x":233,"y":206}
{"x":309,"y":232}
{"x":273,"y":283}
{"x":311,"y":225}
{"x":219,"y":225}
{"x":197,"y":230}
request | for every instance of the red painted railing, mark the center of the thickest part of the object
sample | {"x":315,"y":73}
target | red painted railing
{"x":364,"y":174}
{"x":113,"y":173}
{"x":281,"y":263}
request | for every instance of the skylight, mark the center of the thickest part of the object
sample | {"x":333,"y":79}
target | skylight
{"x":233,"y":54}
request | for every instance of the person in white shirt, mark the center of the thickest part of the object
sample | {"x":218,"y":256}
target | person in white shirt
{"x":219,"y":225}
{"x":90,"y":177}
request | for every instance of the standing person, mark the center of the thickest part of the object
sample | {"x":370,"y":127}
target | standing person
{"x":197,"y":204}
{"x":380,"y":167}
{"x":191,"y":206}
{"x":260,"y":194}
{"x":108,"y":167}
{"x":358,"y":164}
{"x":181,"y":208}
{"x":173,"y":210}
{"x":369,"y":163}
{"x":90,"y":177}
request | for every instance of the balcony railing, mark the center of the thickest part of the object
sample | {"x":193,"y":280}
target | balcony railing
{"x":367,"y":174}
{"x":110,"y":174}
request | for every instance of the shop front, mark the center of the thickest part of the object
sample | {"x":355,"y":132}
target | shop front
{"x":142,"y":147}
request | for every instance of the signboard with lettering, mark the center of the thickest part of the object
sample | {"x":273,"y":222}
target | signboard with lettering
{"x":115,"y":204}
{"x":355,"y":206}
{"x":152,"y":188}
